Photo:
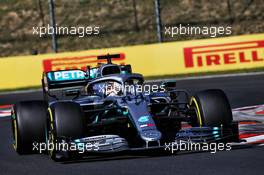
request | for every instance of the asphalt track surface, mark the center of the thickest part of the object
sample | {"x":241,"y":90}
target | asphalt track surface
{"x":241,"y":91}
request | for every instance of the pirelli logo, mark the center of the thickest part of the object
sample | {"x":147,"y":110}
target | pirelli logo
{"x":224,"y":54}
{"x":78,"y":62}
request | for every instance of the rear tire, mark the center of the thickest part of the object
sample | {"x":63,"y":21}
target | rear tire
{"x":66,"y":119}
{"x":212,"y":108}
{"x":28,"y":125}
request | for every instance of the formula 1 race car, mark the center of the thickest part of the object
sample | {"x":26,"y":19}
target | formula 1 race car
{"x":108,"y":109}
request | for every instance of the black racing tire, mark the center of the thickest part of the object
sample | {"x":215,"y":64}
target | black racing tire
{"x":212,"y":108}
{"x":66,"y":120}
{"x":28,"y":125}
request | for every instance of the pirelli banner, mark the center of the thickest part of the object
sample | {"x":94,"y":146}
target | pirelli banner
{"x":172,"y":58}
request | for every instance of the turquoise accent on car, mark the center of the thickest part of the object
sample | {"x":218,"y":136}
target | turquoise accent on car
{"x":125,"y":112}
{"x":215,"y":132}
{"x":216,"y":128}
{"x":92,"y":73}
{"x":144,"y":118}
{"x":77,"y":140}
{"x":13,"y":116}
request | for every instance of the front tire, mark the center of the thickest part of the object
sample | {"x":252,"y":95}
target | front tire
{"x":28,"y":125}
{"x":212,"y":108}
{"x":66,"y":120}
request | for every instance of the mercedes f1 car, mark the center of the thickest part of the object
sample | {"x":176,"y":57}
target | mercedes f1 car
{"x":103,"y":107}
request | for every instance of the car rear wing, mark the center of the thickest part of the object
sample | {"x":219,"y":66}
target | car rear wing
{"x":64,"y":78}
{"x":73,"y":79}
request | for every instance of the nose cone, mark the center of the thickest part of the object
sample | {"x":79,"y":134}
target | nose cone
{"x":150,"y":135}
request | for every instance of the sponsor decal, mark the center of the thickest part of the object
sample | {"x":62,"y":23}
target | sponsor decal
{"x":143,"y":119}
{"x":146,"y":125}
{"x":224,"y":54}
{"x":77,"y":62}
{"x":66,"y":75}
